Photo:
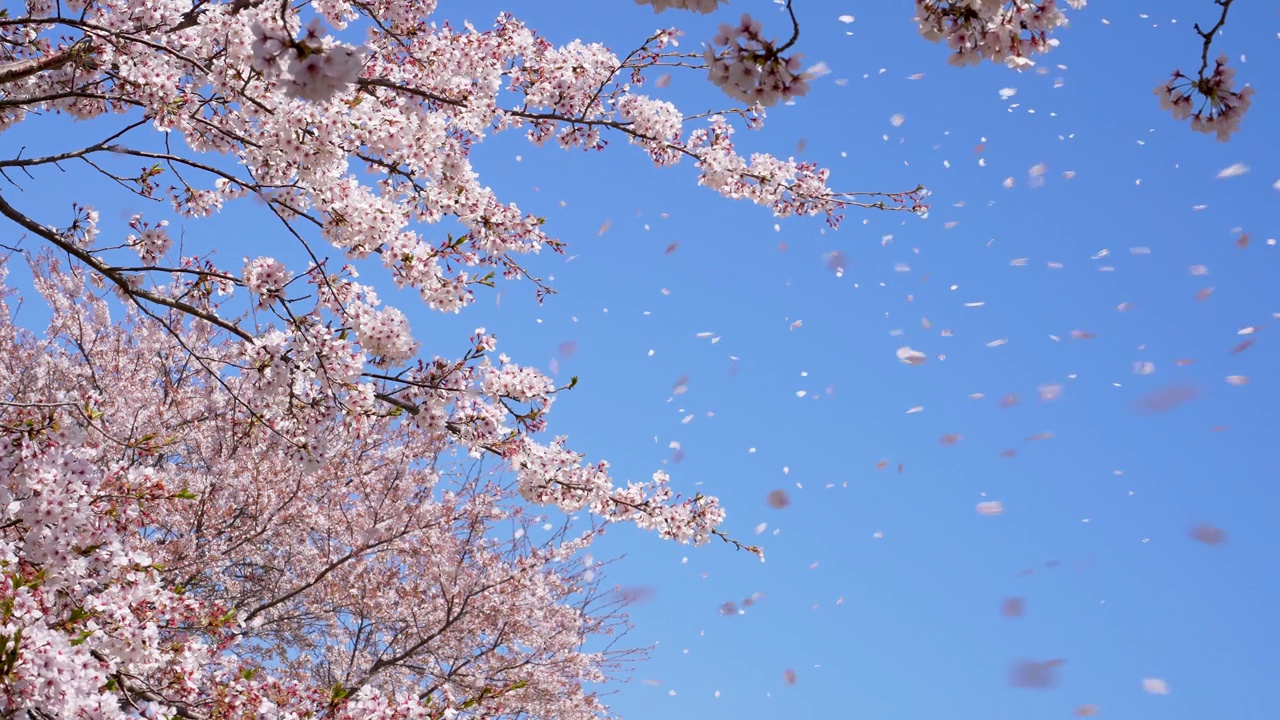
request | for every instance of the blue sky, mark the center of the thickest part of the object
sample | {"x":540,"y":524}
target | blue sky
{"x":1094,"y":536}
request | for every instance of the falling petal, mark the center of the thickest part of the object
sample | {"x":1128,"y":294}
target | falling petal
{"x":778,"y":499}
{"x":910,"y":357}
{"x":1166,"y":399}
{"x":634,"y":594}
{"x":1013,"y":607}
{"x":1208,"y":534}
{"x":817,"y":70}
{"x":990,"y":508}
{"x":1034,"y":675}
{"x":1155,"y":686}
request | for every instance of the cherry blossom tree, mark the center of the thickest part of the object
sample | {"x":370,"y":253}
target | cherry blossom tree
{"x":163,"y":555}
{"x":251,"y":490}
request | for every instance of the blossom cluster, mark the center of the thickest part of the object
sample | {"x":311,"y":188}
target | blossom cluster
{"x":267,"y":278}
{"x":1002,"y":31}
{"x":150,"y":241}
{"x":315,"y":68}
{"x":384,"y":334}
{"x":750,"y":68}
{"x":1222,"y":106}
{"x":655,"y":125}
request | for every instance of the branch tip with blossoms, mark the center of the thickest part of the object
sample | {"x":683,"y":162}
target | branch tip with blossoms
{"x":738,"y":545}
{"x":1221,"y":105}
{"x":1001,"y":31}
{"x":750,"y":68}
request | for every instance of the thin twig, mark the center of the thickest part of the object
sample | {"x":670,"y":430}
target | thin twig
{"x":1208,"y":36}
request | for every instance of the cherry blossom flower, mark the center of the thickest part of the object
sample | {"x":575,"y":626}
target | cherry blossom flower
{"x":1221,"y":105}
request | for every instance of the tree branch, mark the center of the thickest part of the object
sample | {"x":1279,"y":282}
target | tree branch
{"x":33,"y":66}
{"x":1208,"y":36}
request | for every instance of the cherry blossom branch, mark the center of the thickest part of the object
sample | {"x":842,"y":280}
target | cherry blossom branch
{"x":73,"y":154}
{"x":28,"y":101}
{"x":21,"y":69}
{"x":451,"y":618}
{"x":191,"y":18}
{"x":116,"y":37}
{"x":738,"y":545}
{"x":795,"y":29}
{"x":1221,"y":106}
{"x":1209,"y":36}
{"x":907,"y":200}
{"x":111,"y":273}
{"x":6,"y":403}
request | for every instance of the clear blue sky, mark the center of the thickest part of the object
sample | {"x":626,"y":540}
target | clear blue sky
{"x":1100,"y":511}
